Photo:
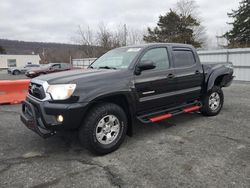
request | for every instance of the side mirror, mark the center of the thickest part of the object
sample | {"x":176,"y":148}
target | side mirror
{"x":144,"y":65}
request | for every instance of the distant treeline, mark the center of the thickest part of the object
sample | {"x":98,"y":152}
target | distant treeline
{"x":49,"y":52}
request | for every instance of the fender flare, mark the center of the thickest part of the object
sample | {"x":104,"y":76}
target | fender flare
{"x":130,"y":104}
{"x":213,"y":76}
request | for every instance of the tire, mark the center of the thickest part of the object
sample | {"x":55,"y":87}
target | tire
{"x":16,"y":72}
{"x":101,"y":123}
{"x":212,"y":102}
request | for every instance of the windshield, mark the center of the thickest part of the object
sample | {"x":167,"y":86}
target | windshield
{"x":119,"y":58}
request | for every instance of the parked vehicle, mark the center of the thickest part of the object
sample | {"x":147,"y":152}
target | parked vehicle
{"x":49,"y":68}
{"x":22,"y":70}
{"x":148,"y":82}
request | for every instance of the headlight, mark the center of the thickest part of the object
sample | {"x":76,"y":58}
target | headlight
{"x":61,"y":91}
{"x":31,"y":72}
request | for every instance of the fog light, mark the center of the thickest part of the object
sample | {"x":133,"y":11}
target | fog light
{"x":59,"y":118}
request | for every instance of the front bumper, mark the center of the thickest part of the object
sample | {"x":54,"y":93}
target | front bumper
{"x":40,"y":116}
{"x":30,"y":120}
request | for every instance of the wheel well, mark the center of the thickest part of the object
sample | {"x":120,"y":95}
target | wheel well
{"x":218,"y":80}
{"x":121,"y":101}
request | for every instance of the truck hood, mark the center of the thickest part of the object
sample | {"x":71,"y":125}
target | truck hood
{"x":82,"y":75}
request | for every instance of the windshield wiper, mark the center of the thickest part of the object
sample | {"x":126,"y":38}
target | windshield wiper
{"x":106,"y":67}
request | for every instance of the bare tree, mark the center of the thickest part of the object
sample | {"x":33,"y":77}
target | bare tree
{"x":134,"y":36}
{"x":87,"y":40}
{"x":104,"y":37}
{"x":188,"y":8}
{"x":110,"y":39}
{"x":96,"y":42}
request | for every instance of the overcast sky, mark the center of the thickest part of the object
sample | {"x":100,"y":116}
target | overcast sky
{"x":57,"y":20}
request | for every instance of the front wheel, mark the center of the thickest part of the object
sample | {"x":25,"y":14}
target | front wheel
{"x":212,"y":102}
{"x":104,"y":128}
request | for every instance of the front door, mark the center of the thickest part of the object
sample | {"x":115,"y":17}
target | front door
{"x":155,"y":88}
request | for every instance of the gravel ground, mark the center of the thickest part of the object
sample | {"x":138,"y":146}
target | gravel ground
{"x":189,"y":150}
{"x":5,"y":76}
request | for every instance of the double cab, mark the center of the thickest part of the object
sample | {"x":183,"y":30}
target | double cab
{"x":146,"y":83}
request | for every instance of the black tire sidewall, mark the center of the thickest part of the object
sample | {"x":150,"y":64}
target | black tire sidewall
{"x":16,"y":72}
{"x":118,"y":138}
{"x":87,"y":133}
{"x":206,"y":110}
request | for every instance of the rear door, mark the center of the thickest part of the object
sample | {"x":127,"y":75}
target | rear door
{"x":155,"y":87}
{"x":189,"y":74}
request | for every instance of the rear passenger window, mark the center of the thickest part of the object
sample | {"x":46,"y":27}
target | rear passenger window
{"x":183,"y":58}
{"x":159,"y":56}
{"x":57,"y":66}
{"x":64,"y":66}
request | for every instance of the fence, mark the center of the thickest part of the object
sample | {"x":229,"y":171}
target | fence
{"x":240,"y":57}
{"x":83,"y":63}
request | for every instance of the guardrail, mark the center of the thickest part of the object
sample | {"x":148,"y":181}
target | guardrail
{"x":13,"y":91}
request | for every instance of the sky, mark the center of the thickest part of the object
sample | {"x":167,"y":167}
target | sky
{"x":58,"y":20}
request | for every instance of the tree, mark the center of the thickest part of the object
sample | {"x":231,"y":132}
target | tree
{"x":178,"y":25}
{"x":87,"y":41}
{"x":134,"y":36}
{"x":95,"y":42}
{"x":239,"y":35}
{"x":111,"y":39}
{"x":2,"y":50}
{"x":190,"y":8}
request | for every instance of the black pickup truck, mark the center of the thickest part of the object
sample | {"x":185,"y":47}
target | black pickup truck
{"x":147,"y":83}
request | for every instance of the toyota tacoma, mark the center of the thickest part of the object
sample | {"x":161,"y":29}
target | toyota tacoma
{"x":146,"y":83}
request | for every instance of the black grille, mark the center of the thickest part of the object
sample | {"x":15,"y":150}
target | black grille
{"x":36,"y":90}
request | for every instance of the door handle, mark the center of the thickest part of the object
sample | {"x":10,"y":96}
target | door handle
{"x":170,"y":75}
{"x":197,"y":72}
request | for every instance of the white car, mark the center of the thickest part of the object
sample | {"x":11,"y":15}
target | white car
{"x":22,"y":70}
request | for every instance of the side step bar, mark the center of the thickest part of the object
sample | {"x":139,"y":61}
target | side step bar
{"x":161,"y":116}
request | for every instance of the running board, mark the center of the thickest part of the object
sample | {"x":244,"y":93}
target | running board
{"x":149,"y":118}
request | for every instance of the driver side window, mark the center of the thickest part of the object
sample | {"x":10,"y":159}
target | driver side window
{"x":159,"y":56}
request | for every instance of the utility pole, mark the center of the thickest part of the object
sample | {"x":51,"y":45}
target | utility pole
{"x":125,"y":35}
{"x":44,"y":58}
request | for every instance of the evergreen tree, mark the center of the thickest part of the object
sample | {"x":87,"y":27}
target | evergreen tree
{"x":174,"y":27}
{"x":239,"y":35}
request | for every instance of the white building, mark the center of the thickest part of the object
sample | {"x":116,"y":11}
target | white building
{"x":7,"y":60}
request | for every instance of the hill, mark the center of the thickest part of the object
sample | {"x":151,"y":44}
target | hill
{"x":49,"y":52}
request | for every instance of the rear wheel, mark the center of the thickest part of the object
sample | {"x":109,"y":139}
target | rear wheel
{"x":213,"y":102}
{"x":104,"y":128}
{"x":16,"y":72}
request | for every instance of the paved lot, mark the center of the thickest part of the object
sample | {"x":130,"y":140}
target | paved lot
{"x":197,"y":152}
{"x":5,"y":76}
